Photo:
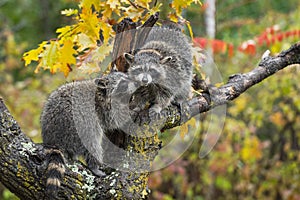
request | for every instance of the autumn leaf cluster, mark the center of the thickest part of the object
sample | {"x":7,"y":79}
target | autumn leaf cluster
{"x":88,"y":41}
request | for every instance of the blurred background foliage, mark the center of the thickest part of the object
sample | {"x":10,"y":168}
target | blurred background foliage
{"x":257,"y":156}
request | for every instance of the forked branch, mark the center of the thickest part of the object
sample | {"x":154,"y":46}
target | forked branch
{"x":236,"y":85}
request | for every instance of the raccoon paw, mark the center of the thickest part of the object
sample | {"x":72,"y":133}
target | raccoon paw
{"x":154,"y":113}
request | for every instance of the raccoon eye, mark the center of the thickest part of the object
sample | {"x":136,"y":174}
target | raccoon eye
{"x":154,"y":73}
{"x":136,"y":71}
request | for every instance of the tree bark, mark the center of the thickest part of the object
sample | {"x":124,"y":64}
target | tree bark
{"x":129,"y":37}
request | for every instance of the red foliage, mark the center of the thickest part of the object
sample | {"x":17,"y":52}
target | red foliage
{"x":248,"y":47}
{"x":202,"y":42}
{"x":218,"y":46}
{"x":269,"y":37}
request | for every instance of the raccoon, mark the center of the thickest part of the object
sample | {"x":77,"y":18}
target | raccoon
{"x":75,"y":118}
{"x":163,"y":69}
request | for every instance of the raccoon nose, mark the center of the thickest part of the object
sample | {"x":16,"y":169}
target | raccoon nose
{"x":145,"y":79}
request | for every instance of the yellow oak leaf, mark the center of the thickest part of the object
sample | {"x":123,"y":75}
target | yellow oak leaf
{"x":67,"y":53}
{"x":65,"y":32}
{"x":173,"y":17}
{"x":113,"y":4}
{"x":178,"y":5}
{"x":89,"y":67}
{"x":89,"y":24}
{"x":66,"y":69}
{"x":106,"y":30}
{"x":69,"y":12}
{"x":49,"y":56}
{"x":103,"y":51}
{"x":155,"y":9}
{"x":84,"y":42}
{"x":63,"y":67}
{"x":132,"y":12}
{"x":87,"y":4}
{"x":33,"y":55}
{"x":144,"y":3}
{"x":107,"y":11}
{"x":89,"y":62}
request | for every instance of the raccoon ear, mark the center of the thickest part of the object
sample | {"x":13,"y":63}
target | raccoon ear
{"x":100,"y":83}
{"x":165,"y":59}
{"x":129,"y":58}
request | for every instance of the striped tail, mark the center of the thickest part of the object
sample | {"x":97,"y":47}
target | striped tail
{"x":55,"y":172}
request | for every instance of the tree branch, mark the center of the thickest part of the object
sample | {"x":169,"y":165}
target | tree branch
{"x":236,"y":85}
